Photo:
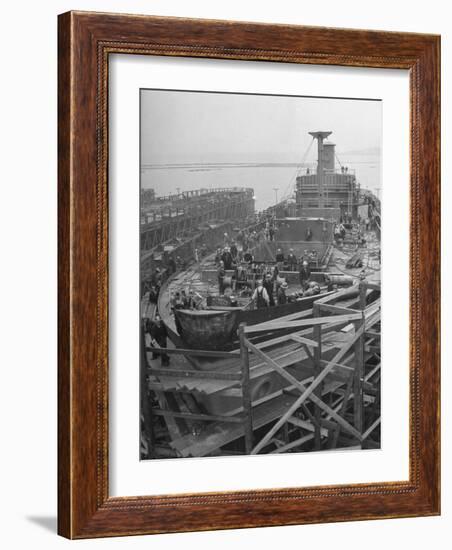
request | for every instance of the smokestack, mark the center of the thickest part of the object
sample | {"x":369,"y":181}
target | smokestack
{"x":320,"y":136}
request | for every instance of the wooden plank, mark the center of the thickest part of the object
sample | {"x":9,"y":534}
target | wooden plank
{"x":217,"y":435}
{"x":246,"y":391}
{"x":307,"y":313}
{"x":210,"y":375}
{"x":372,"y":372}
{"x":303,"y":340}
{"x":343,"y":409}
{"x":276,"y":325}
{"x":146,"y":409}
{"x":194,"y":353}
{"x":371,"y":428}
{"x":306,"y":425}
{"x":336,"y":309}
{"x":359,"y":376}
{"x":317,"y":334}
{"x":293,"y":444}
{"x":372,"y":334}
{"x":197,"y":416}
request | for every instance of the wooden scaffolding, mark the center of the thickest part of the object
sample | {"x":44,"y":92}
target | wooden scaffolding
{"x":328,"y":360}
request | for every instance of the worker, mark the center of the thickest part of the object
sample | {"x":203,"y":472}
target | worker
{"x":248,"y":257}
{"x":153,"y":295}
{"x":281,"y":294}
{"x":291,"y":260}
{"x":274,"y":273}
{"x":233,"y":251}
{"x":184,"y":299}
{"x":308,"y":233}
{"x":305,"y":274}
{"x":158,"y":278}
{"x":268,"y":285}
{"x":218,"y":257}
{"x":260,"y":296}
{"x":227,"y":258}
{"x":221,"y":273}
{"x":159,"y":338}
{"x":271,"y":233}
{"x":194,"y":300}
{"x":172,"y":265}
{"x":279,"y":256}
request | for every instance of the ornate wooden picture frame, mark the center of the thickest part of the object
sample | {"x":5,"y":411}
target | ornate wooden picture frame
{"x":86,"y":41}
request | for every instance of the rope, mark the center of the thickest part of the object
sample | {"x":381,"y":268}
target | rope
{"x":288,"y":189}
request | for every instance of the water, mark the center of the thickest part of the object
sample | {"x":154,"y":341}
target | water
{"x":263,"y":179}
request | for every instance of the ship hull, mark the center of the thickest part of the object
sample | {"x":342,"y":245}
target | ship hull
{"x":217,"y":329}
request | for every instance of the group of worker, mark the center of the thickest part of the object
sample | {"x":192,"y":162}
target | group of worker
{"x":183,"y":300}
{"x":269,"y":292}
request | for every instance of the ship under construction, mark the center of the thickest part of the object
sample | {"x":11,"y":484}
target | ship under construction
{"x":260,"y":331}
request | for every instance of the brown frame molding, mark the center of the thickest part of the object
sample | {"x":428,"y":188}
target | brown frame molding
{"x":84,"y":44}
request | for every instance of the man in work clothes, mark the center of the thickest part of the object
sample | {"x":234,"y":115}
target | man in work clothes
{"x":268,"y":285}
{"x":291,"y":261}
{"x":260,"y":296}
{"x":158,"y":338}
{"x":305,"y":274}
{"x":221,"y":275}
{"x":227,"y":258}
{"x":281,"y":294}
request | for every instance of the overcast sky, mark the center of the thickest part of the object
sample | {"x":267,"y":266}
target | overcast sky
{"x":200,"y":127}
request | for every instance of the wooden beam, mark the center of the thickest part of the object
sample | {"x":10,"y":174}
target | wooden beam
{"x":373,"y":334}
{"x":196,"y":416}
{"x":293,"y":444}
{"x":275,"y":325}
{"x":337,"y":309}
{"x":184,"y":373}
{"x":371,"y":428}
{"x":146,"y":409}
{"x":303,"y":340}
{"x":343,"y":409}
{"x":246,"y":390}
{"x":359,"y":378}
{"x":317,"y":333}
{"x":193,"y":352}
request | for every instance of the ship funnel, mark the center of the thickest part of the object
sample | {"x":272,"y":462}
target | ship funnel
{"x":320,"y":137}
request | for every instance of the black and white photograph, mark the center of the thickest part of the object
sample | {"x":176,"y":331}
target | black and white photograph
{"x":260,"y":259}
